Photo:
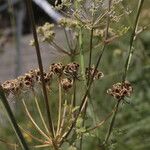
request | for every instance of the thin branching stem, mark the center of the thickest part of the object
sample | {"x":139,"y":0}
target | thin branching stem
{"x":98,"y":19}
{"x":68,"y":42}
{"x":32,"y":136}
{"x":90,"y":53}
{"x":89,"y":66}
{"x":82,"y":55}
{"x":60,"y":49}
{"x":84,"y":100}
{"x":8,"y":143}
{"x":63,"y":118}
{"x":102,"y":122}
{"x":59,"y":106}
{"x":130,"y":53}
{"x":112,"y":122}
{"x":13,"y":120}
{"x":72,"y":47}
{"x":42,"y":146}
{"x":128,"y":60}
{"x":33,"y":122}
{"x":31,"y":15}
{"x":39,"y":111}
{"x":82,"y":68}
{"x":74,"y":93}
{"x":108,"y":20}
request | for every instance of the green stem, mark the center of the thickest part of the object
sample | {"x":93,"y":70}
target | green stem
{"x":90,"y":53}
{"x":74,"y":93}
{"x":68,"y":42}
{"x":90,"y":61}
{"x":82,"y":55}
{"x":84,"y":100}
{"x":13,"y":120}
{"x":128,"y":60}
{"x":60,"y":106}
{"x":31,"y":16}
{"x":130,"y":53}
{"x":112,"y":122}
{"x":63,"y":118}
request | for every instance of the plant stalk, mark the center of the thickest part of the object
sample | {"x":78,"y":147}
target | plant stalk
{"x":130,"y":53}
{"x":39,"y":111}
{"x":59,"y":106}
{"x":13,"y":120}
{"x":84,"y":100}
{"x":112,"y":122}
{"x":31,"y":16}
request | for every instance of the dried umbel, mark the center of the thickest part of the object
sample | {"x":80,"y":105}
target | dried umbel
{"x":25,"y":82}
{"x":28,"y":80}
{"x":57,"y":68}
{"x":12,"y":86}
{"x":120,"y":90}
{"x":33,"y":78}
{"x":66,"y":83}
{"x":71,"y":70}
{"x":91,"y":72}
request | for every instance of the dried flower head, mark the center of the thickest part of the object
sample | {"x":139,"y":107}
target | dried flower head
{"x":33,"y":78}
{"x":66,"y":83}
{"x":28,"y":80}
{"x":71,"y":70}
{"x":47,"y":77}
{"x":57,"y":68}
{"x":89,"y":72}
{"x":120,"y":90}
{"x":12,"y":86}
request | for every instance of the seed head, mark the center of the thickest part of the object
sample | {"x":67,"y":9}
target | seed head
{"x":120,"y":90}
{"x":90,"y":71}
{"x":12,"y":86}
{"x":57,"y":68}
{"x":66,"y":83}
{"x":71,"y":70}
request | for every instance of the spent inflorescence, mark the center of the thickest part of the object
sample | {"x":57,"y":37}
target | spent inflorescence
{"x":121,"y":90}
{"x":66,"y":73}
{"x":66,"y":83}
{"x":71,"y":70}
{"x":93,"y":73}
{"x":57,"y":68}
